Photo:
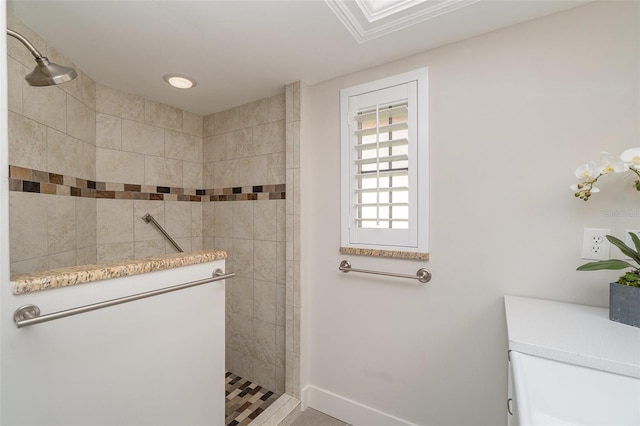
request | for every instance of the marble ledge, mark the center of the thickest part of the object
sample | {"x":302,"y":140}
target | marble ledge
{"x":64,"y":277}
{"x":398,"y":254}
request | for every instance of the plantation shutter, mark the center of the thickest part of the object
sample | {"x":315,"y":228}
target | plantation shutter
{"x":383,"y":155}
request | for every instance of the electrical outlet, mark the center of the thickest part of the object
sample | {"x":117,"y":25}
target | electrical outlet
{"x":595,"y":245}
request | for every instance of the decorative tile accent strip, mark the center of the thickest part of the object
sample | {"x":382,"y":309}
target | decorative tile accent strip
{"x":28,"y":180}
{"x":64,"y":277}
{"x":385,"y":253}
{"x":244,"y":401}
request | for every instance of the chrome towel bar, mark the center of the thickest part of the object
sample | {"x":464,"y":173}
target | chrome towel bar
{"x":422,"y":275}
{"x":148,"y":218}
{"x":30,"y":314}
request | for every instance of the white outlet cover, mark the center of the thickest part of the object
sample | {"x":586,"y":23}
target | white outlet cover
{"x":595,"y":245}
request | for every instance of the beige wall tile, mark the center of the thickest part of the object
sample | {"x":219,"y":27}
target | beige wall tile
{"x":208,"y":125}
{"x":30,"y":265}
{"x":162,"y":115}
{"x":28,"y":225}
{"x":192,"y":175}
{"x":87,"y":255}
{"x":15,"y":77}
{"x":208,"y":176}
{"x":243,"y":258}
{"x":120,"y":104}
{"x":61,"y":224}
{"x":239,"y":143}
{"x":86,"y":215}
{"x":46,"y":105}
{"x":225,"y":174}
{"x":252,"y":171}
{"x":264,"y":374}
{"x":242,"y":296}
{"x":265,"y":220}
{"x":114,"y":252}
{"x":27,"y":142}
{"x":178,"y":219}
{"x":108,"y":131}
{"x":269,"y":138}
{"x":150,"y":248}
{"x":114,"y":221}
{"x":196,"y":219}
{"x":119,"y":166}
{"x":192,"y":124}
{"x":142,"y":138}
{"x":208,"y":218}
{"x":88,"y":90}
{"x":276,"y":108}
{"x":81,"y":120}
{"x":214,"y":148}
{"x":143,"y":231}
{"x":264,"y":260}
{"x":63,"y":153}
{"x":86,"y":166}
{"x":182,"y":146}
{"x":197,"y":243}
{"x":162,"y":171}
{"x":62,"y":260}
{"x":227,"y":245}
{"x":242,"y":219}
{"x":254,"y":113}
{"x":281,"y":262}
{"x":242,"y":333}
{"x":264,"y":301}
{"x":275,"y":168}
{"x":264,"y":346}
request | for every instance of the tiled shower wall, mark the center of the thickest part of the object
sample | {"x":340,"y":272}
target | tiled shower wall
{"x":244,"y":148}
{"x":51,"y":129}
{"x":89,"y":161}
{"x":92,"y":161}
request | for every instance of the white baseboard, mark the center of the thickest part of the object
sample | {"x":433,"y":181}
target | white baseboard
{"x":346,"y":409}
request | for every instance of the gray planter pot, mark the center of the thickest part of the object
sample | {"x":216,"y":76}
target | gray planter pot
{"x":624,"y":304}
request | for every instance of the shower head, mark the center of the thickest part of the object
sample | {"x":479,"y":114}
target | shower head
{"x":45,"y":73}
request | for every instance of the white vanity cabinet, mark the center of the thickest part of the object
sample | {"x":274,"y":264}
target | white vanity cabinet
{"x":570,"y":365}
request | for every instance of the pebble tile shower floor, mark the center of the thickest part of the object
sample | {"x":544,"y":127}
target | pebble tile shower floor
{"x":244,"y":400}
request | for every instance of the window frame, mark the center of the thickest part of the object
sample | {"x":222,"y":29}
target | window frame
{"x":382,"y":239}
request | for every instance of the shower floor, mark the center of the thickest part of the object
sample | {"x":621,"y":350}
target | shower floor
{"x":244,"y":400}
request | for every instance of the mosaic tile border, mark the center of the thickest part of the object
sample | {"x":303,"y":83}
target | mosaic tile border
{"x":23,"y":179}
{"x":244,"y":400}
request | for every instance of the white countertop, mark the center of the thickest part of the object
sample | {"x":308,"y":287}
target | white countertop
{"x":577,"y":334}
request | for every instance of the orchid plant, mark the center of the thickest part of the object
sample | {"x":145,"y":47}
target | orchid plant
{"x":589,"y":173}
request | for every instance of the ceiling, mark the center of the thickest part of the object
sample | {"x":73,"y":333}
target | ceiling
{"x":242,"y":50}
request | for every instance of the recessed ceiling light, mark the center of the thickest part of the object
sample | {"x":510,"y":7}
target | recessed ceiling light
{"x":180,"y":81}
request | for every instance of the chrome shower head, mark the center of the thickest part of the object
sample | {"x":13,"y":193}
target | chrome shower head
{"x":45,"y":73}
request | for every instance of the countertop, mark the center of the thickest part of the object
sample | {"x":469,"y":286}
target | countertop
{"x":576,"y":334}
{"x":56,"y":278}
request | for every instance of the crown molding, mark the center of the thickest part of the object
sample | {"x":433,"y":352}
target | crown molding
{"x":364,"y":24}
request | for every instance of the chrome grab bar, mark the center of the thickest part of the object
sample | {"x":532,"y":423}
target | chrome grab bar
{"x":30,"y":314}
{"x":422,"y":275}
{"x":148,"y":218}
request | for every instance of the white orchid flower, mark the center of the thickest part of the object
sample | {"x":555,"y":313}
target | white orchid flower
{"x":586,"y":171}
{"x":609,"y":164}
{"x":631,"y":157}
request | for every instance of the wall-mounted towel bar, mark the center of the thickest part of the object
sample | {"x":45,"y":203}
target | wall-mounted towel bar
{"x":422,"y":275}
{"x":30,"y":314}
{"x":148,"y":218}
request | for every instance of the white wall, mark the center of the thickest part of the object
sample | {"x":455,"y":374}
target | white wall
{"x":513,"y":113}
{"x":4,"y":164}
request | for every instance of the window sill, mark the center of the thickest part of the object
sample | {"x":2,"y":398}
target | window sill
{"x":397,"y":254}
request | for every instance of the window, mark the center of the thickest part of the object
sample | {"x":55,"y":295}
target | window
{"x":385,"y":164}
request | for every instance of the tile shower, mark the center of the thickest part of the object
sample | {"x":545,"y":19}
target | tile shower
{"x":88,"y":161}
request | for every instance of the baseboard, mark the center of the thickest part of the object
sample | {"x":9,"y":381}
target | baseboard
{"x":347,"y":410}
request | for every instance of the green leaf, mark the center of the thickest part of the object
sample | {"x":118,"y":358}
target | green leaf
{"x":636,"y":240}
{"x":625,"y":249}
{"x":605,"y":264}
